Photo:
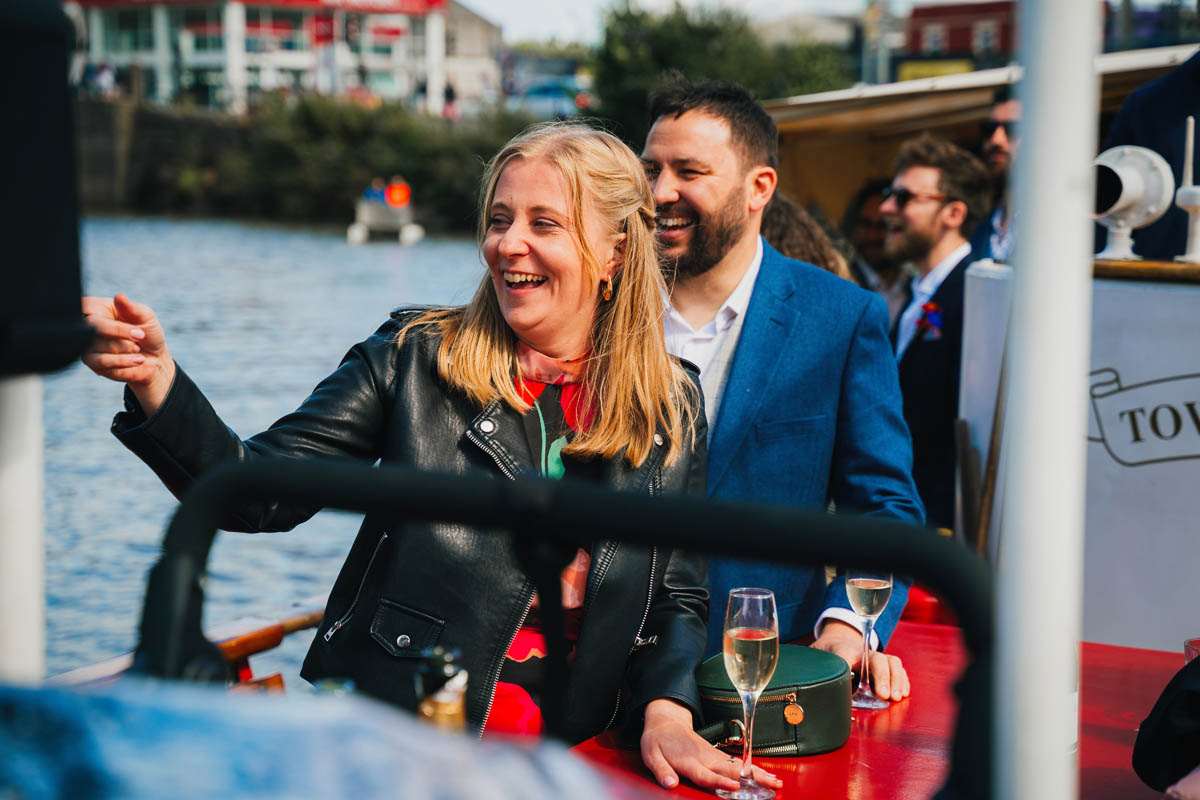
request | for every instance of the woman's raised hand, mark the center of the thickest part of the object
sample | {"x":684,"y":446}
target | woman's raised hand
{"x":130,"y":348}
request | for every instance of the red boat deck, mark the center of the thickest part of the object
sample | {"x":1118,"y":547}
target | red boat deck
{"x":903,"y":751}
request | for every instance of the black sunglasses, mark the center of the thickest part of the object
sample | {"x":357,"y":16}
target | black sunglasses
{"x":988,"y":128}
{"x":902,"y":195}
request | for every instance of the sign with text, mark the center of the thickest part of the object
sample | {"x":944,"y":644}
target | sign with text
{"x":1148,"y":422}
{"x":1143,"y":450}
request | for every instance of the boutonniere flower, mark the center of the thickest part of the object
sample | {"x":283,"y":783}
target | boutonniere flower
{"x":929,"y":326}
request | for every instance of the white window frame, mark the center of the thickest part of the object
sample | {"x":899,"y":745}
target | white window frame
{"x":985,"y":36}
{"x":933,"y":38}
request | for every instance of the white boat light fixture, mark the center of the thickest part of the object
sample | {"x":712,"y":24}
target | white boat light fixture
{"x":1134,"y":187}
{"x":1188,"y":197}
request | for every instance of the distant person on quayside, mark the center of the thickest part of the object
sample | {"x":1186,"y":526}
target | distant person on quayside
{"x":1155,"y":116}
{"x":994,"y":236}
{"x":556,"y":366}
{"x":798,"y":374}
{"x":791,"y":230}
{"x":871,"y":268}
{"x":939,"y":193}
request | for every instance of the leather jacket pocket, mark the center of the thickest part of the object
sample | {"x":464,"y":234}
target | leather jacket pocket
{"x":402,"y":631}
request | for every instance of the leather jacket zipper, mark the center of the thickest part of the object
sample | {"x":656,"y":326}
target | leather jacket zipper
{"x":494,"y":678}
{"x":342,"y":620}
{"x":508,"y":473}
{"x":336,"y":626}
{"x":601,"y":569}
{"x":649,"y":597}
{"x":637,"y":637}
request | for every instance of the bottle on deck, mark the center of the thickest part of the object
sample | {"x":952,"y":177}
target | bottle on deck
{"x":442,"y":689}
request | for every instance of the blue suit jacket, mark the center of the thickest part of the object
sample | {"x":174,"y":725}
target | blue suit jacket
{"x":811,"y":413}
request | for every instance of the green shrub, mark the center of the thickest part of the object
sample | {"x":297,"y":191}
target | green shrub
{"x":309,"y":159}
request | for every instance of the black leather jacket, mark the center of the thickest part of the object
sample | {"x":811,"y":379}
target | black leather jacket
{"x":407,"y":586}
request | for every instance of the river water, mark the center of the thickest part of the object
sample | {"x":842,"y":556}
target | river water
{"x":257,"y":315}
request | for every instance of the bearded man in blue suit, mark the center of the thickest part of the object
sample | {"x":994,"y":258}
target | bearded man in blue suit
{"x":800,"y":383}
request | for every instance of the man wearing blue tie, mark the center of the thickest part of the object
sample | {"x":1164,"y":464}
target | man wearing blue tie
{"x":800,"y":382}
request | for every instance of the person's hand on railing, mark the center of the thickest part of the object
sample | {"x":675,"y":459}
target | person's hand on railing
{"x":129,"y":348}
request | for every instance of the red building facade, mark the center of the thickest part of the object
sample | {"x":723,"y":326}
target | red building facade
{"x":977,"y":30}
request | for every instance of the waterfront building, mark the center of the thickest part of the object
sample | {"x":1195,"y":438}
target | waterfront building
{"x":949,"y":38}
{"x":228,"y":53}
{"x":945,"y":39}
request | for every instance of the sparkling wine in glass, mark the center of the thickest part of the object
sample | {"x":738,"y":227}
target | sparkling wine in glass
{"x":751,"y":648}
{"x":869,"y":593}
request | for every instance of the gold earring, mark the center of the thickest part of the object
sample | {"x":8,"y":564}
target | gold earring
{"x":607,"y":293}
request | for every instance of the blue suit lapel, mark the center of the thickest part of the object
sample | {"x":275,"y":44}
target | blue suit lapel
{"x":769,"y":323}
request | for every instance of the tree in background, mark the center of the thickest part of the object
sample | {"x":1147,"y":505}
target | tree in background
{"x":311,"y":159}
{"x":308,"y":158}
{"x":566,"y":51}
{"x":639,"y":46}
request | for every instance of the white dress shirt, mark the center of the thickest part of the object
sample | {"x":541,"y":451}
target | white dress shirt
{"x":701,"y":347}
{"x":1001,"y":238}
{"x":924,"y":288}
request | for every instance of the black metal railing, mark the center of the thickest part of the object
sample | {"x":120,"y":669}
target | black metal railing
{"x":173,"y":645}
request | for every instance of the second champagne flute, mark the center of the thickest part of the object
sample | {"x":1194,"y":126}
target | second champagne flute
{"x":869,"y":593}
{"x":751,"y":648}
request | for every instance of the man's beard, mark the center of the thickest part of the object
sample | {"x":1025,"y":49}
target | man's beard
{"x":997,"y":170}
{"x":912,"y":246}
{"x":711,"y":238}
{"x":999,"y":176}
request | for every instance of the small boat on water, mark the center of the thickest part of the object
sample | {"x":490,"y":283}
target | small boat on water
{"x":385,"y":209}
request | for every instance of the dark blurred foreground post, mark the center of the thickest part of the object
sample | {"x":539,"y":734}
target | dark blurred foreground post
{"x":41,"y":328}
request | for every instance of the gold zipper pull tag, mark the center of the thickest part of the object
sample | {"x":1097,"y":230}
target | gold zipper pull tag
{"x":793,"y":712}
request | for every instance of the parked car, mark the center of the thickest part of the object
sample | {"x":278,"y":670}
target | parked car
{"x":551,"y":100}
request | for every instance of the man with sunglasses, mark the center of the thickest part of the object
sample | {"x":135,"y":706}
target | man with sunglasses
{"x":939,"y":193}
{"x":993,"y":237}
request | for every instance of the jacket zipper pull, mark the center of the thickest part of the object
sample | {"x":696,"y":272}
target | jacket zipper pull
{"x":333,"y":629}
{"x":639,"y":642}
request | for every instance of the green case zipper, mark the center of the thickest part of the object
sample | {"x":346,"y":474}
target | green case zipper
{"x":789,"y":697}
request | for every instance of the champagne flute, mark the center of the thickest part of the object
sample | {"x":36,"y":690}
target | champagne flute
{"x":869,"y":592}
{"x":751,"y":648}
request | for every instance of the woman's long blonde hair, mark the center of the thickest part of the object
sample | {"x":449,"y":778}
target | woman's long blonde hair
{"x":631,"y":385}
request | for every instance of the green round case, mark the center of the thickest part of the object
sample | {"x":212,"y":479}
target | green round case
{"x":804,"y":710}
